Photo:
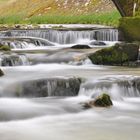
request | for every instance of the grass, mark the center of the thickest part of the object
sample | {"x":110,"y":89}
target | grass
{"x":109,"y":18}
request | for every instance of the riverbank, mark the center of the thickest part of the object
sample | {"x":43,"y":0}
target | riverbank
{"x":107,"y":18}
{"x":130,"y":27}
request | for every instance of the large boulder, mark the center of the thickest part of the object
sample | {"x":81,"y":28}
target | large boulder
{"x":103,"y":100}
{"x":79,"y":46}
{"x":1,"y":73}
{"x":117,"y":55}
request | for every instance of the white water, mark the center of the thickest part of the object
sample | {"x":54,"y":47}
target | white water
{"x":66,"y":37}
{"x":63,"y":118}
{"x":41,"y":118}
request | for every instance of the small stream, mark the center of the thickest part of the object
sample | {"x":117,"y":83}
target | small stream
{"x":44,"y":86}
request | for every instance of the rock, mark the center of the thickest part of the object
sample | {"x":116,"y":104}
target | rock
{"x":119,"y":54}
{"x":130,"y":28}
{"x":80,"y":47}
{"x":4,"y":48}
{"x":98,"y":43}
{"x":1,"y":73}
{"x":17,"y":26}
{"x":101,"y":101}
{"x":47,"y":87}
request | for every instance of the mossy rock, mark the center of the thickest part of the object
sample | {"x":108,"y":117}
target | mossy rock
{"x":103,"y":100}
{"x":80,"y":47}
{"x":1,"y":73}
{"x":130,"y":26}
{"x":4,"y":48}
{"x":116,"y":55}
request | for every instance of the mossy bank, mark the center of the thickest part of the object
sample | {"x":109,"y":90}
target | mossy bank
{"x":130,"y":26}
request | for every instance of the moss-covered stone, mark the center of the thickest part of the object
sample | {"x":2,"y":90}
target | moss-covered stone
{"x":4,"y":48}
{"x":1,"y":73}
{"x":116,"y":55}
{"x":130,"y":26}
{"x":103,"y":100}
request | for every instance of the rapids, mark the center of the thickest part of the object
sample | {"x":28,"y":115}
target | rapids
{"x":42,"y":91}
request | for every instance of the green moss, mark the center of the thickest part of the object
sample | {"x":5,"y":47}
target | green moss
{"x":103,"y":101}
{"x":1,"y":73}
{"x":4,"y":48}
{"x":116,"y":55}
{"x":130,"y":28}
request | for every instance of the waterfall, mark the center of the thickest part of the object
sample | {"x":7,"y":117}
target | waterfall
{"x":20,"y":42}
{"x":62,"y":86}
{"x":66,"y":37}
{"x":117,"y":88}
{"x":13,"y":59}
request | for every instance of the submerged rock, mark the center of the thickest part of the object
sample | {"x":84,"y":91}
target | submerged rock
{"x":101,"y":101}
{"x":80,"y":47}
{"x":1,"y":73}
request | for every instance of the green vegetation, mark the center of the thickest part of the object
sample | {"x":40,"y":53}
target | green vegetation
{"x":1,"y":73}
{"x":58,"y":12}
{"x":130,"y":26}
{"x":119,"y":54}
{"x":103,"y":100}
{"x":111,"y":18}
{"x":4,"y":48}
{"x":10,"y":19}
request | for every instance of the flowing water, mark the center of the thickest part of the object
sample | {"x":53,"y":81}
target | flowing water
{"x":42,"y":92}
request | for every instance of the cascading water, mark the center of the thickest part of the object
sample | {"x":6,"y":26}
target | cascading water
{"x":25,"y":42}
{"x":44,"y":97}
{"x":13,"y":59}
{"x":66,"y":37}
{"x":65,"y":86}
{"x":116,"y":87}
